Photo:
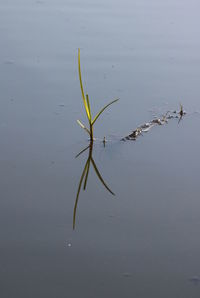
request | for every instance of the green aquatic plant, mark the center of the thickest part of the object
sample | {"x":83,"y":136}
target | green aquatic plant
{"x":84,"y":177}
{"x":86,"y":103}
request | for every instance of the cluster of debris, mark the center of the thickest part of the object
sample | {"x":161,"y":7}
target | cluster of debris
{"x":156,"y":121}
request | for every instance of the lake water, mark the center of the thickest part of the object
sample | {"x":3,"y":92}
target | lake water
{"x":144,"y":241}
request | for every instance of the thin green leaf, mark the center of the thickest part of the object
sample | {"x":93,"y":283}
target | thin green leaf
{"x":97,"y":116}
{"x":83,"y":126}
{"x":81,"y":84}
{"x":88,"y":104}
{"x":100,"y":177}
{"x":77,"y":195}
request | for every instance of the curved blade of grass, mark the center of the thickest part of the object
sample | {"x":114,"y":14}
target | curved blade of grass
{"x":83,"y":126}
{"x":81,"y":84}
{"x":77,"y":195}
{"x":100,"y":177}
{"x":97,"y":116}
{"x":88,"y":104}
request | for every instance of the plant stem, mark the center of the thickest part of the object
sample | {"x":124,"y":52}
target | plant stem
{"x":91,"y":132}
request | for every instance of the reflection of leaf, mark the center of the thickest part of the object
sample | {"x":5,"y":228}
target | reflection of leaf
{"x":82,"y":151}
{"x":100,"y":177}
{"x":77,"y":195}
{"x":85,"y":174}
{"x":180,"y":118}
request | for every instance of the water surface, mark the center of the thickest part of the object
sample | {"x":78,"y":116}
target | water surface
{"x":144,"y":241}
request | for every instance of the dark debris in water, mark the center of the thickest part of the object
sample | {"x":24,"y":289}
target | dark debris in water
{"x":154,"y":122}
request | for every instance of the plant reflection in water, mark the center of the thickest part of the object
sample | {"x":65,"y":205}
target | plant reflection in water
{"x":84,"y":177}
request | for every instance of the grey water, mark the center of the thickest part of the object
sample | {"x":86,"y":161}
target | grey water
{"x":144,"y":241}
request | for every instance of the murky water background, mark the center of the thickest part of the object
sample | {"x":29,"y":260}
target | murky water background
{"x":144,"y":242}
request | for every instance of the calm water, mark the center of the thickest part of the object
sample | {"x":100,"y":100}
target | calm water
{"x":144,"y":241}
